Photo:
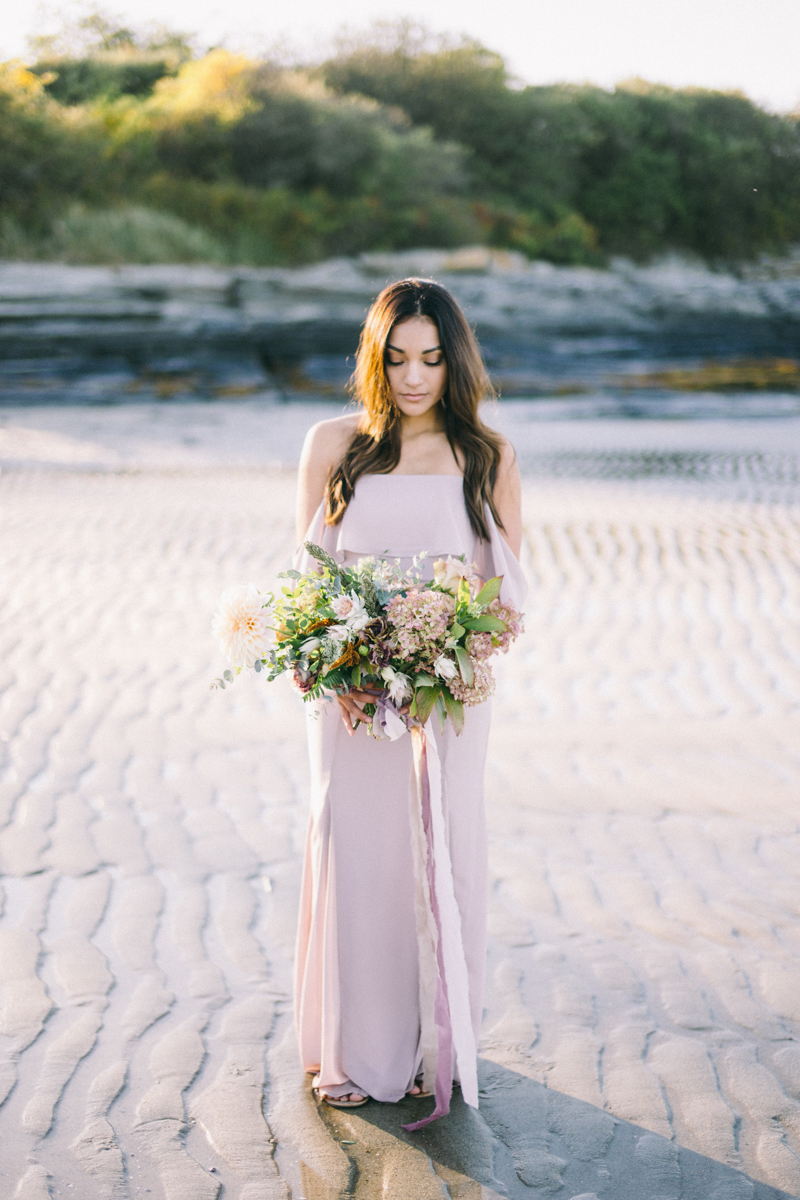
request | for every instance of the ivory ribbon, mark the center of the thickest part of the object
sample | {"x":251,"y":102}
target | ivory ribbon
{"x":446,"y":1032}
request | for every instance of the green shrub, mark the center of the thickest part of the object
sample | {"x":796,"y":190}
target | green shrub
{"x":398,"y":140}
{"x":649,"y":168}
{"x":45,"y":155}
{"x":78,"y":81}
{"x":567,"y":239}
{"x":123,"y":235}
{"x":273,"y":226}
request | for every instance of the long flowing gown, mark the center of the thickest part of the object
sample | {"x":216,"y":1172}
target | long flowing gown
{"x":357,"y":988}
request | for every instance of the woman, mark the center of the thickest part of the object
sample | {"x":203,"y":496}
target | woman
{"x":414,"y":471}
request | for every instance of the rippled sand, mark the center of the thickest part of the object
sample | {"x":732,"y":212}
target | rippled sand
{"x":642,"y":1031}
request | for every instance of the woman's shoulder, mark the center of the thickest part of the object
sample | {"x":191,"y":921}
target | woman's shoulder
{"x":327,"y":441}
{"x":508,"y":455}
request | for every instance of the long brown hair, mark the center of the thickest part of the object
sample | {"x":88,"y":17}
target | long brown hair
{"x":375,"y":448}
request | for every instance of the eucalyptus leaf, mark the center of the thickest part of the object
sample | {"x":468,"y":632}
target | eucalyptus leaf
{"x":490,"y":590}
{"x":227,"y":675}
{"x":257,"y":665}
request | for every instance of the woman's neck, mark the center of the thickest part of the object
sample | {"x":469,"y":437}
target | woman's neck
{"x":429,"y":422}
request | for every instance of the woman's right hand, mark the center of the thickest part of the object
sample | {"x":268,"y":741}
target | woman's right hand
{"x":351,"y":706}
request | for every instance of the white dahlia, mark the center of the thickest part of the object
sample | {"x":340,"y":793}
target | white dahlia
{"x":240,"y":623}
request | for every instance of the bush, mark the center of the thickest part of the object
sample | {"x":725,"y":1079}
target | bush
{"x":398,"y":140}
{"x":45,"y":156}
{"x":277,"y":225}
{"x":123,"y":235}
{"x":76,"y":82}
{"x":649,"y":168}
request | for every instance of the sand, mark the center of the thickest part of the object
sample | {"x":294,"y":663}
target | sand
{"x":642,"y":1030}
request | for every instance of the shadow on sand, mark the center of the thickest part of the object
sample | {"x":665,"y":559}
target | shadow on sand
{"x":526,"y":1141}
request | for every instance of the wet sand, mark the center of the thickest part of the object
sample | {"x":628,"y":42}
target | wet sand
{"x":642,"y":1029}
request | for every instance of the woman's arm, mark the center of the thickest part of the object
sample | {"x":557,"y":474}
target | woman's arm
{"x":508,"y":497}
{"x":323,"y":450}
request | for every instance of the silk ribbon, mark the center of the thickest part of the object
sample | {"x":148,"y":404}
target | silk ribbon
{"x":446,"y":1031}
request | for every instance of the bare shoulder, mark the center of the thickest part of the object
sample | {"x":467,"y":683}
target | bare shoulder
{"x":508,"y":457}
{"x":327,"y":441}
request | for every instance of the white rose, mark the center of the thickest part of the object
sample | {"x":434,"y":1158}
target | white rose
{"x":445,"y":668}
{"x":310,"y":645}
{"x":448,"y":573}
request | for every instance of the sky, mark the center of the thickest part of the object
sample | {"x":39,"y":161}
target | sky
{"x":749,"y":45}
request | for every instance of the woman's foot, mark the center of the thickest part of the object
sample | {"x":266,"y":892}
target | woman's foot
{"x":417,"y":1092}
{"x":348,"y":1100}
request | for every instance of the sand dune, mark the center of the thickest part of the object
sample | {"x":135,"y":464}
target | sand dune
{"x":642,"y":1031}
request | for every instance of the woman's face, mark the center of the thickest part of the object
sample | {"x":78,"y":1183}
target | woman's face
{"x":415,"y":366}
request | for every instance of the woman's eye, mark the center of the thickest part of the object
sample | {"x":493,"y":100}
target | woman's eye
{"x":438,"y":363}
{"x":389,"y":363}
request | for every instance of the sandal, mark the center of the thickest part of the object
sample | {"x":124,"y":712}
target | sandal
{"x":336,"y":1102}
{"x":418,"y":1095}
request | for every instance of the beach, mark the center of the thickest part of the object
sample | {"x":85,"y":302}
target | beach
{"x":641,"y":1039}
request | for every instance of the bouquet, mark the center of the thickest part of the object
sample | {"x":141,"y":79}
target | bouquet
{"x":422,"y":647}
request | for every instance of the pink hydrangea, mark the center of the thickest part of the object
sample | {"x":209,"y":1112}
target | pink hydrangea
{"x":420,"y":621}
{"x":480,"y":646}
{"x":513,"y":620}
{"x":481,"y":688}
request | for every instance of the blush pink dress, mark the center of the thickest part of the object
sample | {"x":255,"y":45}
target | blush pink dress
{"x":357,"y":1002}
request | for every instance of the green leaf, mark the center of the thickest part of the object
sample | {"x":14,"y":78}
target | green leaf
{"x":464,"y":665}
{"x":423,"y":680}
{"x":355,"y":675}
{"x":490,"y":590}
{"x":257,"y":665}
{"x":486,"y":624}
{"x":425,"y":699}
{"x":455,"y":711}
{"x":456,"y":631}
{"x":441,"y":711}
{"x":227,"y":675}
{"x":462,"y":596}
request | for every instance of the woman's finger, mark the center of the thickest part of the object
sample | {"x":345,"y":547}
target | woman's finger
{"x":349,"y":709}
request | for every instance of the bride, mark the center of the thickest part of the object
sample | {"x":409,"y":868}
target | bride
{"x":415,"y":470}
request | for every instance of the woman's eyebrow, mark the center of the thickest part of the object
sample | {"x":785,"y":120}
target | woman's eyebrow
{"x":395,"y":350}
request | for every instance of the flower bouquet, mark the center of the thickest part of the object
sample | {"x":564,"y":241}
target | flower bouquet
{"x":423,"y":647}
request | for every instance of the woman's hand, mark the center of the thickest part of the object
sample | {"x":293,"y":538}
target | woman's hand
{"x":351,"y":706}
